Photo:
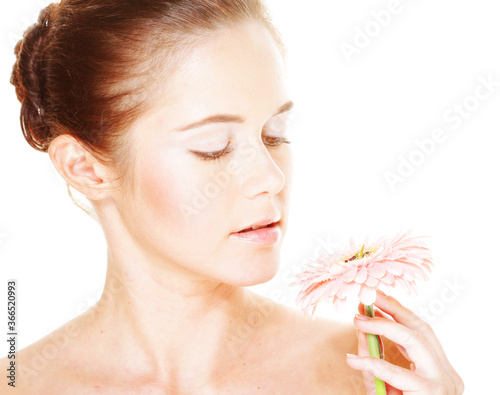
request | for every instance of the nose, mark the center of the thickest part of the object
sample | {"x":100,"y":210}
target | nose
{"x":261,"y":175}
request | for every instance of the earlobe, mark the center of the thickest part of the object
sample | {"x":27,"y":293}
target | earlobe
{"x":78,"y":167}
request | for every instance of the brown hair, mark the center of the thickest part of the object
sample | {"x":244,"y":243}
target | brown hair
{"x":85,"y":67}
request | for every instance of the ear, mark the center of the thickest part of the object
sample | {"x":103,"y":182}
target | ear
{"x":79,"y":168}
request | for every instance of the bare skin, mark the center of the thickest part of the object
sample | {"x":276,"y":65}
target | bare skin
{"x":281,"y":353}
{"x":175,"y":316}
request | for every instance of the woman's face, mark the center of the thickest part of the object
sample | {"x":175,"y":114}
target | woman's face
{"x":183,"y":205}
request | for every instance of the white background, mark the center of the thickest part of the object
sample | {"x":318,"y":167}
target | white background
{"x":358,"y":118}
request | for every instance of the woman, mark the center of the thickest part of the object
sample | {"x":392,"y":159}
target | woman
{"x":170,"y":117}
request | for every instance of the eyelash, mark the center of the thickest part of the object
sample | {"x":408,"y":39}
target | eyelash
{"x":213,"y":156}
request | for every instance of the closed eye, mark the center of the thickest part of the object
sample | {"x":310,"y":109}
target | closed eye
{"x":275,"y":141}
{"x":212,"y":155}
{"x":270,"y":141}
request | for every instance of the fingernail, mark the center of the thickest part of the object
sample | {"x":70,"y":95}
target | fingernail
{"x":352,"y":356}
{"x":383,"y":293}
{"x":362,"y":317}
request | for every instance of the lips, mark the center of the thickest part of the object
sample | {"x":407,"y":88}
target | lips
{"x":260,"y":224}
{"x":265,"y":235}
{"x":255,"y":228}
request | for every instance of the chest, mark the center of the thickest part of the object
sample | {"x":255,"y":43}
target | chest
{"x":295,"y":372}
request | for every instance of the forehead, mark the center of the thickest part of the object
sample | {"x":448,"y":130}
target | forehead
{"x":237,"y":70}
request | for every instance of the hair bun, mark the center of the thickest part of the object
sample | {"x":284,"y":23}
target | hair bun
{"x":28,"y":79}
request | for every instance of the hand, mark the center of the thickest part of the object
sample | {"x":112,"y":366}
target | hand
{"x":430,"y":371}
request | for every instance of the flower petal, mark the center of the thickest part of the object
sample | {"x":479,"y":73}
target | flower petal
{"x":372,"y":282}
{"x":388,"y":278}
{"x":394,"y":262}
{"x":322,"y":277}
{"x":349,"y":275}
{"x":393,"y":267}
{"x":334,"y":287}
{"x":348,"y":289}
{"x":412,"y":271}
{"x":367,"y":295}
{"x":376,"y":270}
{"x":338,"y":304}
{"x":361,"y":275}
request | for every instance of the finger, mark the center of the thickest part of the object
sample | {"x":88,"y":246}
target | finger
{"x":392,"y":390}
{"x":368,"y":377}
{"x":363,"y":351}
{"x":378,"y":313}
{"x":409,"y":319}
{"x":376,"y":310}
{"x":416,"y":346}
{"x":395,"y":376}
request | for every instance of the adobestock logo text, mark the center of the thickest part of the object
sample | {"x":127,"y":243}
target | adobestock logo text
{"x":453,"y":118}
{"x":363,"y":36}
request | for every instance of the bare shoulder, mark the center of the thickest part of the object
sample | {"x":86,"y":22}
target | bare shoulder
{"x":29,"y":370}
{"x":47,"y":366}
{"x":317,"y":349}
{"x":330,"y":342}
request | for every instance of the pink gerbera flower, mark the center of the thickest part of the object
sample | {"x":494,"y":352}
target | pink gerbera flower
{"x":389,"y":262}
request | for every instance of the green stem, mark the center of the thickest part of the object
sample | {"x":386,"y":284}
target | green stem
{"x":375,"y":349}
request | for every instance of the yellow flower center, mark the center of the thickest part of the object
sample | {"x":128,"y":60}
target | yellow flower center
{"x":360,"y":254}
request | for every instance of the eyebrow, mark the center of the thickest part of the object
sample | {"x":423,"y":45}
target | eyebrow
{"x":219,"y":118}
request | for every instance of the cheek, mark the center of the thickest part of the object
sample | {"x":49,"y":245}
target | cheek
{"x":287,"y":165}
{"x":164,"y":188}
{"x":285,"y":162}
{"x":179,"y":191}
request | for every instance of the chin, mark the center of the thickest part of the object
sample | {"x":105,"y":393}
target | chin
{"x":258,"y":274}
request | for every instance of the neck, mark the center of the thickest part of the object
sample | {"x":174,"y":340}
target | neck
{"x":179,"y":330}
{"x":167,"y":325}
